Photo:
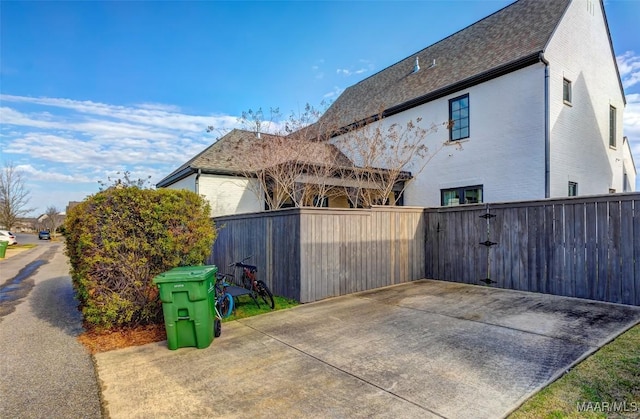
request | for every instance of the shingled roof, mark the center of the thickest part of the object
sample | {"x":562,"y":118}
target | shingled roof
{"x":507,"y":40}
{"x":229,"y":155}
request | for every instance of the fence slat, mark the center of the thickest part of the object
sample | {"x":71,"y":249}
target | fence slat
{"x":587,"y":247}
{"x":626,"y":252}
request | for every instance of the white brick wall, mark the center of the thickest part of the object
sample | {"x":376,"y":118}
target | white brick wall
{"x":580,"y":52}
{"x":188,"y":183}
{"x":226,"y":194}
{"x":505,"y":150}
{"x":229,"y":195}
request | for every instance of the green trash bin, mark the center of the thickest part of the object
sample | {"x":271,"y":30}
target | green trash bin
{"x":3,"y":248}
{"x":187,"y":294}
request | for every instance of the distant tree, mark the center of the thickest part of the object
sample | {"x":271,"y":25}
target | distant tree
{"x":53,"y":219}
{"x":14,"y":196}
{"x":126,"y":181}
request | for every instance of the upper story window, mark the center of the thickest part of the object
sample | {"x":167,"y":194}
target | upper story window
{"x":573,"y":188}
{"x":462,"y":195}
{"x":612,"y":126}
{"x":459,"y":117}
{"x":566,"y":91}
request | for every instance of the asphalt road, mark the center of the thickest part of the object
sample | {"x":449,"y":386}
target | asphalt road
{"x":44,"y":371}
{"x":30,"y":238}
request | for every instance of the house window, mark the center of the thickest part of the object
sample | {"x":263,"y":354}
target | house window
{"x":612,"y":126}
{"x":459,"y":117}
{"x":566,"y":91}
{"x":573,"y":188}
{"x":463,"y":195}
{"x":321,"y":201}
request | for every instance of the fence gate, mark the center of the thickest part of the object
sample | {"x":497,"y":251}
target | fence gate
{"x":488,"y":217}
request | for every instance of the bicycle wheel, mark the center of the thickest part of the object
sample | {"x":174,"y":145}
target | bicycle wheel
{"x":217,"y":328}
{"x":265,"y":293}
{"x":225,"y":305}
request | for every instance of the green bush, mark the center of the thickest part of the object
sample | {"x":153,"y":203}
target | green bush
{"x":120,"y":238}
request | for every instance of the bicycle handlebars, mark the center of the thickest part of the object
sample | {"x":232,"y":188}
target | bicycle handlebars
{"x":252,"y":268}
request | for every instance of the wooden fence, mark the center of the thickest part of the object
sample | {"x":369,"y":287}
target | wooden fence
{"x":309,"y":254}
{"x":578,"y":247}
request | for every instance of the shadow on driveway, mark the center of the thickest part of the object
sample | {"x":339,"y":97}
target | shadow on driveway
{"x":423,"y":349}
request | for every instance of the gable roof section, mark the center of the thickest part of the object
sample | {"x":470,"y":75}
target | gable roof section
{"x":228,"y":156}
{"x":510,"y":39}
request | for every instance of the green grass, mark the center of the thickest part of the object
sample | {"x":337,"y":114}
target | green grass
{"x":611,"y":375}
{"x":246,"y":307}
{"x":23,"y":246}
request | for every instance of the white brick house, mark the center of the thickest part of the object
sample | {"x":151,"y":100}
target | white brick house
{"x":537,"y":104}
{"x":537,"y":82}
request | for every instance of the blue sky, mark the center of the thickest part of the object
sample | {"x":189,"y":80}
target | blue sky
{"x":92,"y":88}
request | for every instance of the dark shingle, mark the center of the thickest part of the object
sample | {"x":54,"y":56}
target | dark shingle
{"x":230,"y":154}
{"x":515,"y":32}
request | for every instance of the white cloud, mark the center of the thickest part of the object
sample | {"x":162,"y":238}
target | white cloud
{"x":58,"y":141}
{"x":632,"y":116}
{"x":629,"y":67}
{"x":150,"y":115}
{"x":347,"y":72}
{"x":317,"y":70}
{"x":50,"y":176}
{"x":337,"y":91}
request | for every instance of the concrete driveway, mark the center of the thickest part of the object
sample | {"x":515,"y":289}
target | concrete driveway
{"x":423,"y":349}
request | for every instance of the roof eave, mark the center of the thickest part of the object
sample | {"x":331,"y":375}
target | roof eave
{"x":175,"y":177}
{"x":467,"y":83}
{"x":189,"y":170}
{"x":493,"y":73}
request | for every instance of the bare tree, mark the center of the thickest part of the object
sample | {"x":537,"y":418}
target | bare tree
{"x":126,"y":181}
{"x":289,"y":165}
{"x":386,"y":157}
{"x":14,"y":196}
{"x":53,"y":220}
{"x":304,"y":160}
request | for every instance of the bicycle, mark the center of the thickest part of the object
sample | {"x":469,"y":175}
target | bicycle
{"x":255,"y":287}
{"x":224,"y":300}
{"x":223,"y":305}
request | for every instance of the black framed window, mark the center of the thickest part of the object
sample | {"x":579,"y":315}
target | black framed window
{"x":459,"y":118}
{"x":462,"y":195}
{"x":321,"y":201}
{"x":566,"y":91}
{"x":573,"y":188}
{"x":612,"y":126}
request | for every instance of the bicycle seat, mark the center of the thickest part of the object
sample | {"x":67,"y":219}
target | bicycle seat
{"x":250,"y":267}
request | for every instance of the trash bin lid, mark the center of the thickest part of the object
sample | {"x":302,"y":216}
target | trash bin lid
{"x":186,"y":274}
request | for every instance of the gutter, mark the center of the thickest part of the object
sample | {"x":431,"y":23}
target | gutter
{"x":493,"y":73}
{"x":547,"y":132}
{"x":197,"y":182}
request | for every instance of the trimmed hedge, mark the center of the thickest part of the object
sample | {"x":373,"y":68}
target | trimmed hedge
{"x":120,"y":238}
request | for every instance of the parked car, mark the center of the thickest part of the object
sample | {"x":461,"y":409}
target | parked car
{"x":44,"y":235}
{"x":7,"y":236}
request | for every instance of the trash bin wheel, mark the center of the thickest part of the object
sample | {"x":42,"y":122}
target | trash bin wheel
{"x":217,"y":329}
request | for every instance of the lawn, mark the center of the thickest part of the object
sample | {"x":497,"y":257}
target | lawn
{"x":605,"y":385}
{"x":245,"y":307}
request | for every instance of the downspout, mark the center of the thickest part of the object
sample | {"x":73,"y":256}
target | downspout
{"x":547,"y":132}
{"x":197,"y":182}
